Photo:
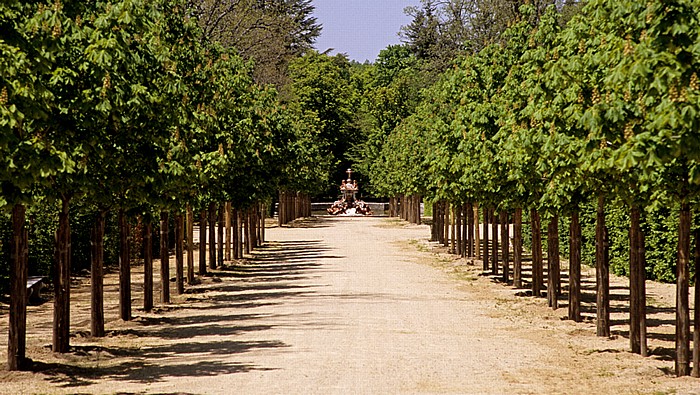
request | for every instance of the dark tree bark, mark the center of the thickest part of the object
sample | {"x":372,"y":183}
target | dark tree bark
{"x":641,"y":277}
{"x":164,"y":259}
{"x":696,"y":317}
{"x":97,"y":315}
{"x":518,"y":248}
{"x":247,"y":242}
{"x":179,"y":254}
{"x":494,"y":242}
{"x":435,"y":224}
{"x":453,"y":229}
{"x":505,"y":250}
{"x":446,"y":223}
{"x":148,"y":267}
{"x":17,"y":345}
{"x":682,"y":288}
{"x":537,"y":270}
{"x":470,"y":230}
{"x":227,"y":225}
{"x":124,"y":268}
{"x":220,"y":246}
{"x":202,"y":243}
{"x":575,"y":268}
{"x":602,"y":272}
{"x":212,"y":235}
{"x":486,"y":251}
{"x":190,"y":245}
{"x":261,"y":239}
{"x":61,"y":321}
{"x":553,"y":268}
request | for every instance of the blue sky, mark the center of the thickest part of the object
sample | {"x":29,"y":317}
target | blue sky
{"x":360,"y":28}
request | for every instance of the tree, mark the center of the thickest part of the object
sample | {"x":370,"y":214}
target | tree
{"x":270,"y":33}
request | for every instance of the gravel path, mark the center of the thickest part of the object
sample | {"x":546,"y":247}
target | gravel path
{"x":339,"y":306}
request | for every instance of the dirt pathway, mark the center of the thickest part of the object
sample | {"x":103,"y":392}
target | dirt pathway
{"x":338,"y":306}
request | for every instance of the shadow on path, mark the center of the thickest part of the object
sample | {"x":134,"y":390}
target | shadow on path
{"x":194,"y":340}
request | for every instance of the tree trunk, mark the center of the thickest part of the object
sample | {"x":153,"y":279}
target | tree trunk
{"x":246,"y":222}
{"x":682,"y":288}
{"x":97,"y":315}
{"x":602,"y":272}
{"x":16,"y":350}
{"x":696,"y":313}
{"x":148,"y":267}
{"x":435,"y":224}
{"x":575,"y":268}
{"x":453,"y":229}
{"x":202,"y":243}
{"x":553,"y":268}
{"x":518,"y":248}
{"x":235,"y":233}
{"x":418,"y":220}
{"x":642,"y":276}
{"x":227,"y":225}
{"x":61,"y":321}
{"x":635,"y":345}
{"x":486,"y":251}
{"x":537,"y":270}
{"x":124,"y":268}
{"x":212,"y":235}
{"x":164,"y":259}
{"x":494,"y":242}
{"x":239,"y":232}
{"x":220,"y":246}
{"x":505,"y":250}
{"x":179,"y":254}
{"x":470,"y":230}
{"x":190,"y":245}
{"x":280,"y":209}
{"x":263,"y":214}
{"x":477,"y":241}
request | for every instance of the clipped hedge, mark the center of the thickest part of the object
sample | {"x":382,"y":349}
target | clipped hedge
{"x":660,"y":226}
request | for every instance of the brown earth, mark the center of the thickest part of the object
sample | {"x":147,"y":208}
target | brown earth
{"x":349,"y":305}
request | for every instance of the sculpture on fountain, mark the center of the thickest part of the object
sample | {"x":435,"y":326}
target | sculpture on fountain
{"x":348,"y":204}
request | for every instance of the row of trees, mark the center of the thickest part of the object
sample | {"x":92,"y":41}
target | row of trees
{"x":552,"y":116}
{"x":126,"y":107}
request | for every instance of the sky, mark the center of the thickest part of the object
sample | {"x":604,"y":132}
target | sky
{"x":360,"y":28}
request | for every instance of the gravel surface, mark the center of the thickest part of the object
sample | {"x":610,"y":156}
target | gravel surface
{"x":342,"y":306}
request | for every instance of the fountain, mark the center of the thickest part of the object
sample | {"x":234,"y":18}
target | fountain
{"x":348,"y":204}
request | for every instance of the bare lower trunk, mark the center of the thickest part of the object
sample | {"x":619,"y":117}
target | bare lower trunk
{"x":148,"y":267}
{"x":202,"y":243}
{"x":179,"y":254}
{"x":470,"y":230}
{"x":124,"y":268}
{"x":518,"y":248}
{"x":505,"y":250}
{"x":575,"y":268}
{"x":696,"y":313}
{"x":602,"y":273}
{"x":537,"y":270}
{"x":190,"y":245}
{"x":17,"y":345}
{"x":494,"y":242}
{"x":164,"y":259}
{"x":682,"y":287}
{"x":212,"y":235}
{"x":97,"y":315}
{"x":553,"y":269}
{"x":61,"y":321}
{"x":486,"y":252}
{"x":227,"y":225}
{"x":220,"y":246}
